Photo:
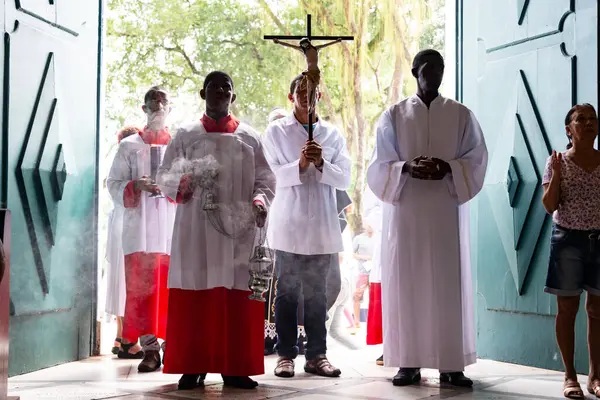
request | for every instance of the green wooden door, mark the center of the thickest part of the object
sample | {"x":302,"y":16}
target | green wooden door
{"x":523,"y":64}
{"x":49,"y":164}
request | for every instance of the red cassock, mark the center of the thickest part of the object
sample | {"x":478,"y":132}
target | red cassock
{"x":146,"y":274}
{"x":374,"y":320}
{"x":217,"y":330}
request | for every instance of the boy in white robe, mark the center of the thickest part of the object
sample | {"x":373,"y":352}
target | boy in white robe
{"x":213,"y":327}
{"x":304,"y":228}
{"x":146,"y":238}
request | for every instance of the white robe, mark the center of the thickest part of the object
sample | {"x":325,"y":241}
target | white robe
{"x":203,"y":258}
{"x":427,"y":293}
{"x":116,"y":292}
{"x":373,"y":214}
{"x":148,"y":227}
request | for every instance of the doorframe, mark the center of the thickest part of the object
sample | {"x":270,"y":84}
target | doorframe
{"x":458,"y":45}
{"x":94,"y":333}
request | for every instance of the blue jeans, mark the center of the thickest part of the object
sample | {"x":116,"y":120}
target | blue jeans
{"x":574,"y":262}
{"x":301,"y":275}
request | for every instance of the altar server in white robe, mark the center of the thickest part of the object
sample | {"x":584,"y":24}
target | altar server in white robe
{"x":213,"y":327}
{"x":115,"y":273}
{"x":305,"y":228}
{"x":430,"y":159}
{"x":147,"y":232}
{"x":372,"y":213}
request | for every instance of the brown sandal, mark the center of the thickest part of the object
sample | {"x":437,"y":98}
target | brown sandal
{"x":594,"y":387}
{"x":572,"y":390}
{"x":321,"y":366}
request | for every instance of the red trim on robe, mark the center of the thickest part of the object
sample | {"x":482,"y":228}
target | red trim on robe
{"x":184,"y":193}
{"x":146,"y":276}
{"x":131,"y":195}
{"x":151,"y":137}
{"x":226,"y":124}
{"x":374,"y":315}
{"x":214,"y":331}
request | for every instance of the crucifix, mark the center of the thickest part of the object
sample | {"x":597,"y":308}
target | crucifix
{"x":312,"y":75}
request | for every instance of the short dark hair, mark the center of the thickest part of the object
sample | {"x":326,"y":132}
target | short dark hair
{"x":569,"y":117}
{"x":420,"y":57}
{"x":151,"y":92}
{"x":297,"y":79}
{"x":214,"y":74}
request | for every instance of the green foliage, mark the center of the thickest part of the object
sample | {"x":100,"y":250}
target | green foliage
{"x":175,"y":43}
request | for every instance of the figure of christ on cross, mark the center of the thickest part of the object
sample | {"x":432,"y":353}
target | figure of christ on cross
{"x":312,"y":75}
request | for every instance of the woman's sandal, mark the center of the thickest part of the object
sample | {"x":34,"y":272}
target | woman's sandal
{"x":115,"y":349}
{"x":572,"y":390}
{"x":125,"y":354}
{"x":594,"y":388}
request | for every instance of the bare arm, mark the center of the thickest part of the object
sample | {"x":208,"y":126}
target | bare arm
{"x":551,"y":196}
{"x":551,"y":182}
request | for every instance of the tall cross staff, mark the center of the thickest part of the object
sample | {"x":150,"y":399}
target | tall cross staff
{"x":312,"y":75}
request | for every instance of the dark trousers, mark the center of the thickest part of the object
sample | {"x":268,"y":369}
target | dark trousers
{"x":334,"y":282}
{"x":301,"y":275}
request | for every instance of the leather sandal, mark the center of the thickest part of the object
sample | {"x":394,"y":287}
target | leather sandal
{"x":594,"y":388}
{"x":125,"y":354}
{"x":115,"y":349}
{"x":572,"y":389}
{"x":322,"y":367}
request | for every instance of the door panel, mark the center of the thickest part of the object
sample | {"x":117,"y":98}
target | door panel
{"x":50,"y":78}
{"x":524,"y":64}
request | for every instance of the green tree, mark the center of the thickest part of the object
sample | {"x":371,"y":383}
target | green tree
{"x":175,"y":43}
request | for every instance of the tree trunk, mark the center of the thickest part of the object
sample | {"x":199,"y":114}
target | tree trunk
{"x":361,"y":122}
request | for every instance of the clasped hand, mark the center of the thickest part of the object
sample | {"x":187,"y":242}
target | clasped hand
{"x":427,"y":168}
{"x":312,"y":152}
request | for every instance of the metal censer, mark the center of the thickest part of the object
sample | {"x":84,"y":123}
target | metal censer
{"x":261,"y":269}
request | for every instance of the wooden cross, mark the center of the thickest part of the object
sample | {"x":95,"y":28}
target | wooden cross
{"x":310,"y":52}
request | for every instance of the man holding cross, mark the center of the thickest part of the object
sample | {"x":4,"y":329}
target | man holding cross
{"x":304,"y":227}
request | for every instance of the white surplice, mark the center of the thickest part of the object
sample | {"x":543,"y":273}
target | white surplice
{"x":427,"y":293}
{"x":116,"y":292}
{"x":304,"y":215}
{"x":373,"y":214}
{"x":202,"y":257}
{"x":148,"y":227}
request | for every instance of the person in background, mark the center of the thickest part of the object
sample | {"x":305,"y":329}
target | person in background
{"x":362,"y":249}
{"x":147,"y":231}
{"x":115,"y":273}
{"x":372,"y":212}
{"x":572,"y":195}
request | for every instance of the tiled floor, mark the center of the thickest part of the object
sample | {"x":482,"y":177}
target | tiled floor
{"x":109,"y":378}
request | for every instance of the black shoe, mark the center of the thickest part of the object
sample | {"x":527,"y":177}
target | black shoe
{"x":456,"y":379}
{"x":380,"y":360}
{"x":407,"y":376}
{"x":239,"y":382}
{"x":191,"y":381}
{"x":151,"y":361}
